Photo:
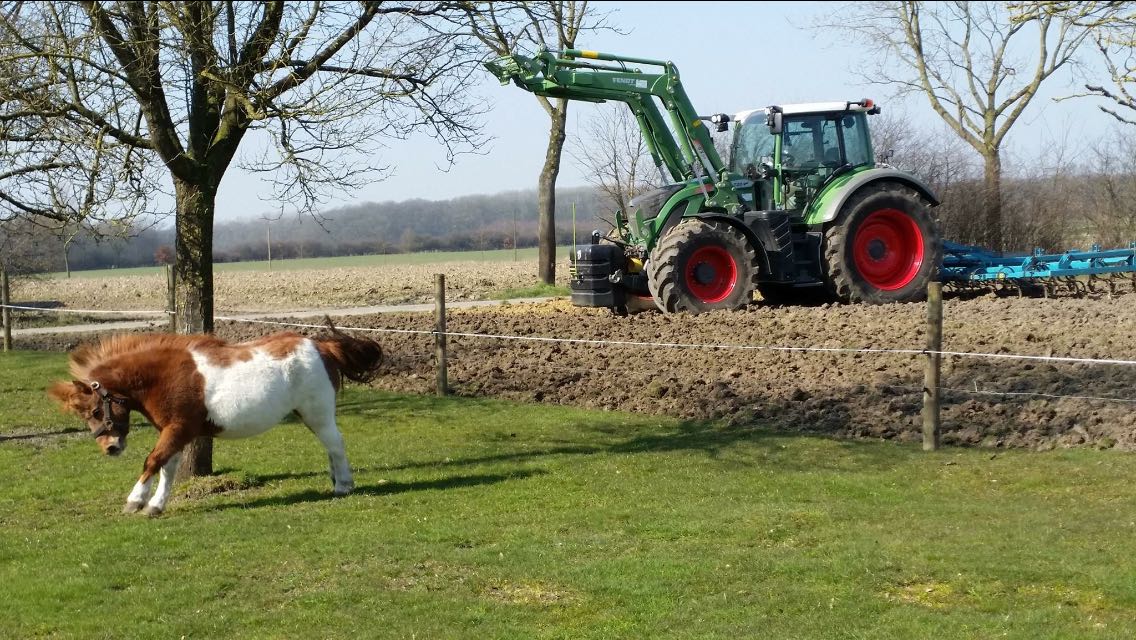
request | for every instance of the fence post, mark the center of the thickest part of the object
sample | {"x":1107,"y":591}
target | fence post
{"x":931,"y":371}
{"x":6,"y":313}
{"x":171,"y":302}
{"x":440,"y":330}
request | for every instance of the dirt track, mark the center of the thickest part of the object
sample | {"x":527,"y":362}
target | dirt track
{"x":847,"y":395}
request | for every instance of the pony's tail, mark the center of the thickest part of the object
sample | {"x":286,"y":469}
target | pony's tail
{"x":345,"y":356}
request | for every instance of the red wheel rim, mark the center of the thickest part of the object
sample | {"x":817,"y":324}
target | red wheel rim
{"x":888,"y":249}
{"x":711,"y":274}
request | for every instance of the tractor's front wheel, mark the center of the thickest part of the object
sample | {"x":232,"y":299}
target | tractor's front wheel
{"x":702,"y":265}
{"x":884,"y":247}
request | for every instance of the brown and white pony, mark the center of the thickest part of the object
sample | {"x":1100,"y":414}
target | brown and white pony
{"x":199,"y":385}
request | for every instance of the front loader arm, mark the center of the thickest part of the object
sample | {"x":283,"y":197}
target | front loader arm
{"x":572,"y":75}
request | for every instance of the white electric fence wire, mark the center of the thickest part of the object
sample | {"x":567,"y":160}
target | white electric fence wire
{"x":121,"y":313}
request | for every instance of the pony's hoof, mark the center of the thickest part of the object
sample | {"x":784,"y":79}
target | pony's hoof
{"x":132,"y":507}
{"x":152,"y":511}
{"x":345,"y":489}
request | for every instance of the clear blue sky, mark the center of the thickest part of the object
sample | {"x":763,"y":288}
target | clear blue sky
{"x":732,"y":56}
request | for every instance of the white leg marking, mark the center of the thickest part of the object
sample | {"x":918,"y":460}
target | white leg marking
{"x":165,"y":483}
{"x":138,"y":496}
{"x":328,"y":434}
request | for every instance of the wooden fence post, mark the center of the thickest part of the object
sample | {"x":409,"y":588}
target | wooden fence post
{"x":171,"y":297}
{"x":6,"y":313}
{"x":440,"y":330}
{"x":931,"y":418}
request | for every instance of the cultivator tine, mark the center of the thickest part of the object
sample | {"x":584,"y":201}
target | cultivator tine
{"x":1096,"y":284}
{"x":1111,"y":285}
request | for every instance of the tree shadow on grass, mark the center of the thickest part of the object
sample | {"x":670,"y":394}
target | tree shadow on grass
{"x":386,"y":488}
{"x":754,"y":443}
{"x":261,"y":479}
{"x":43,"y":434}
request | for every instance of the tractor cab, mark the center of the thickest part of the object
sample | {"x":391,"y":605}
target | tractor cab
{"x":792,"y":152}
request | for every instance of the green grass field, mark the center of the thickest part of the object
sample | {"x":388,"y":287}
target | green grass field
{"x":427,"y":257}
{"x":484,"y":519}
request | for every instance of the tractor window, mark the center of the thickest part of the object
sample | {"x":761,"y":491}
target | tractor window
{"x":752,"y":142}
{"x":803,"y":146}
{"x":857,"y":146}
{"x":831,"y":142}
{"x":826,"y":141}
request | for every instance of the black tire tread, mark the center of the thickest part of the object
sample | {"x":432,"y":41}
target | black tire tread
{"x":663,"y":277}
{"x":839,"y":276}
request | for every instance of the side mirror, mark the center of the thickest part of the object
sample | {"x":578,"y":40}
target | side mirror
{"x":774,"y":120}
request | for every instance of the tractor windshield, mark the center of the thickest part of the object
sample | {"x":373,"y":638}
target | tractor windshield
{"x":752,"y":143}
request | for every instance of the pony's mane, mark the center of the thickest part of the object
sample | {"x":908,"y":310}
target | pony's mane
{"x":89,"y":356}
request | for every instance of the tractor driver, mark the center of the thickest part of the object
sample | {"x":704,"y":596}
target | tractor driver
{"x":800,"y":159}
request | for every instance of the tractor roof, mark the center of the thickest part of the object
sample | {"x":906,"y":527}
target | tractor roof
{"x":811,"y":107}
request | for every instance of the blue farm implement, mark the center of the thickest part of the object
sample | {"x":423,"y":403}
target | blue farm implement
{"x":1076,"y":272}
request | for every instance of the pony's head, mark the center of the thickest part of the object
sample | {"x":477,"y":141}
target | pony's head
{"x":107,"y":415}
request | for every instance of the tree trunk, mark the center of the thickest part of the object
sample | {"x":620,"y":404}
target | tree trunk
{"x":5,"y":312}
{"x":546,"y":223}
{"x":992,"y":200}
{"x":194,"y":290}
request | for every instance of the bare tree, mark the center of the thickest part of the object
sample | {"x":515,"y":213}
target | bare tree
{"x":1113,"y":27}
{"x":165,"y":92}
{"x":54,"y":172}
{"x":969,"y":60}
{"x":615,"y":158}
{"x":555,"y":24}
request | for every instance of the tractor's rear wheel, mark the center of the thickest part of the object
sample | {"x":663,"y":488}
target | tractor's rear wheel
{"x":883,"y":247}
{"x":702,"y":265}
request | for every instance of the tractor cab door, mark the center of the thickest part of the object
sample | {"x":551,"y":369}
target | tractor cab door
{"x":816,"y":146}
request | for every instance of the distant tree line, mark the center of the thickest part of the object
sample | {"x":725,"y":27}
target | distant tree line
{"x":468,"y":223}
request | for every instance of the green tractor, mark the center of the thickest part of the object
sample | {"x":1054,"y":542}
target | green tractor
{"x":802,"y":208}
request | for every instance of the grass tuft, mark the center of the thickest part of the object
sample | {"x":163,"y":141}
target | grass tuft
{"x":540,"y":290}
